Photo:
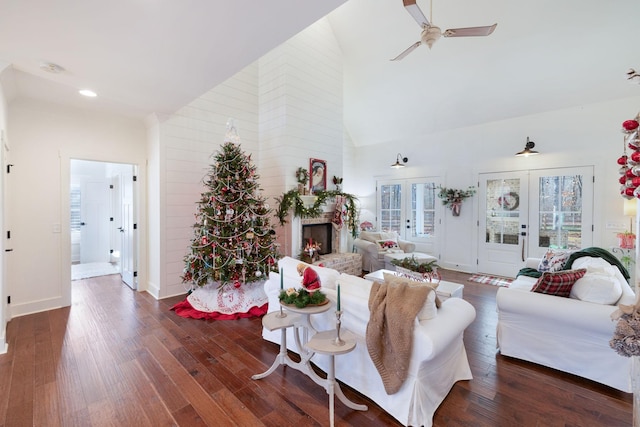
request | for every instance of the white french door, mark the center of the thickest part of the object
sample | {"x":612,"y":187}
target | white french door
{"x":410,"y":208}
{"x":523,"y":214}
{"x":503,"y":214}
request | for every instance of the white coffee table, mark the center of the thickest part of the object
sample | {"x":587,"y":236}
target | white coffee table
{"x":420,"y":257}
{"x":445,"y":289}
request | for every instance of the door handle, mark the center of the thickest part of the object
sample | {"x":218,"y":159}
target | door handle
{"x":522,"y":254}
{"x":82,"y":223}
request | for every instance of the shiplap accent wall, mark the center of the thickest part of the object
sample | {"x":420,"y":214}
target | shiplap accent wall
{"x":287,"y":107}
{"x":300,"y":114}
{"x":188,"y":139}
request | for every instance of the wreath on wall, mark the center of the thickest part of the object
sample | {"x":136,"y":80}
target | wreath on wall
{"x":291,"y":201}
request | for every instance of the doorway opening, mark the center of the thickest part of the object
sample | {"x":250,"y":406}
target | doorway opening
{"x":102,"y":220}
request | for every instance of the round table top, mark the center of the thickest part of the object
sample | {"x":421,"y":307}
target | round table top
{"x":324,"y":342}
{"x":314,"y":309}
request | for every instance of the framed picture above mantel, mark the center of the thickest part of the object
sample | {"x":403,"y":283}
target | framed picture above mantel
{"x":318,"y":175}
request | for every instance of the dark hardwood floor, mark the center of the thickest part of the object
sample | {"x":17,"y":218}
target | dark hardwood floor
{"x":121,"y":358}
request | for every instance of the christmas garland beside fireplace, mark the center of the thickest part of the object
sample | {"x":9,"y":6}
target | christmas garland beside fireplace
{"x":292,"y":200}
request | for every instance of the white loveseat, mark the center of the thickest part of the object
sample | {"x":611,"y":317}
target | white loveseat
{"x":568,"y":334}
{"x":373,"y":254}
{"x":438,"y":358}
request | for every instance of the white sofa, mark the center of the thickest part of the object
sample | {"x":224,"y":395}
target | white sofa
{"x":372,"y":254}
{"x":567,"y":334}
{"x":438,"y":358}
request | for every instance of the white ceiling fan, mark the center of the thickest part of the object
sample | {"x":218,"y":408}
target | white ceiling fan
{"x":431,"y":33}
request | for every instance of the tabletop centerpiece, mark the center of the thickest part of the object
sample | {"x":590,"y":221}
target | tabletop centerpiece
{"x":301,"y":297}
{"x":413,"y":268}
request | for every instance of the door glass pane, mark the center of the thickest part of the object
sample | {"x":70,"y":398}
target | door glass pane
{"x":390,"y":207}
{"x":560,"y":212}
{"x":423,"y":209}
{"x":75,"y":208}
{"x":503,"y":211}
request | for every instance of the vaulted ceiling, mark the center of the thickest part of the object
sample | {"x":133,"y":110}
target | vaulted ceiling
{"x":145,"y":56}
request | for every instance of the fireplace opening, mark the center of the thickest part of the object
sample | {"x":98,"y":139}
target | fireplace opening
{"x":318,"y":234}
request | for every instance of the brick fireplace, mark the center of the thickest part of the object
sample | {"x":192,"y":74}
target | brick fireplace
{"x":339,"y":257}
{"x":332,"y":241}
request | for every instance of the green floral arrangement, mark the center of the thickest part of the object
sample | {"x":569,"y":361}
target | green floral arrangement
{"x":453,"y":195}
{"x":413,"y":264}
{"x":301,"y":297}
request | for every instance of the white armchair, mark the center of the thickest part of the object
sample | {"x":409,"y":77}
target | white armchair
{"x":373,"y":253}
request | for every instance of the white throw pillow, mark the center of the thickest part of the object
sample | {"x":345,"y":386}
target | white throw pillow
{"x":554,"y":261}
{"x":429,"y":309}
{"x":600,"y":284}
{"x":388,"y":245}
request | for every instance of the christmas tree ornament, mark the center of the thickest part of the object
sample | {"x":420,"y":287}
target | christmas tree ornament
{"x":630,"y":125}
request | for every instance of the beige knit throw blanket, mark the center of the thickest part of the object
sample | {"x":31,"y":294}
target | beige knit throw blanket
{"x":393,"y":309}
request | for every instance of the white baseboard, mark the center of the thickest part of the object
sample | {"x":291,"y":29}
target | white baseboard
{"x":465,"y":268}
{"x":18,"y":310}
{"x":153,"y":289}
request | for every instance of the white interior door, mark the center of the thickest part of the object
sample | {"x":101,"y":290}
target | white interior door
{"x":128,"y":229}
{"x":503,"y":222}
{"x":94,"y":225}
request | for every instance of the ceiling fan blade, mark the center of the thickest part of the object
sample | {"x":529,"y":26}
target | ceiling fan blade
{"x":415,"y":11}
{"x":407,"y":51}
{"x":469,"y":31}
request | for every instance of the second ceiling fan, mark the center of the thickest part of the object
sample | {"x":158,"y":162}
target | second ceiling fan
{"x":431,"y":33}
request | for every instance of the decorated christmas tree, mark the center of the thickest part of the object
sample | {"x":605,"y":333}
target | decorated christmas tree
{"x":233,"y":242}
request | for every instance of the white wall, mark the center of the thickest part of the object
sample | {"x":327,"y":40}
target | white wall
{"x":300,"y":114}
{"x":185,"y":143}
{"x":4,"y":143}
{"x":287,"y":108}
{"x":44,"y":137}
{"x":585,"y":135}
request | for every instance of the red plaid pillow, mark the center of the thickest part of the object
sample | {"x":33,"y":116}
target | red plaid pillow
{"x":558,"y":283}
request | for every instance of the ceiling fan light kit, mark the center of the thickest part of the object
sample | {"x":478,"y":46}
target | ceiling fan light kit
{"x":432,"y":33}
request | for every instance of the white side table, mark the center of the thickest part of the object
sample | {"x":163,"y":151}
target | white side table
{"x":273,"y":321}
{"x":324,"y":343}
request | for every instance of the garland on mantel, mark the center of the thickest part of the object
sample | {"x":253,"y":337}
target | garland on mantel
{"x":291,"y":200}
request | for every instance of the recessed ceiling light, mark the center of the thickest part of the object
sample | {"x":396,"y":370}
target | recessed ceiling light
{"x":50,"y":67}
{"x":87,"y":92}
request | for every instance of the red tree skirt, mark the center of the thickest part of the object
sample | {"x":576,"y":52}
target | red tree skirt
{"x":185,"y":309}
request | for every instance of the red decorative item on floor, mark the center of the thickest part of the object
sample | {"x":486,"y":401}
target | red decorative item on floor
{"x":184,"y":309}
